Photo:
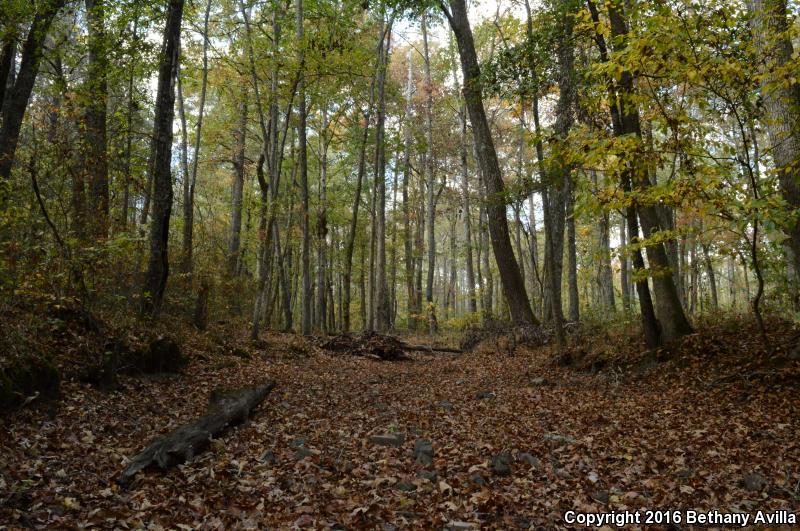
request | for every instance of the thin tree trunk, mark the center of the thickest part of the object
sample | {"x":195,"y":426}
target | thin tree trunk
{"x":411,"y":293}
{"x":94,"y":136}
{"x":155,"y":280}
{"x":15,"y":101}
{"x":189,"y":185}
{"x":303,"y":170}
{"x":382,"y":290}
{"x":237,"y":190}
{"x":322,"y":224}
{"x":433,"y":325}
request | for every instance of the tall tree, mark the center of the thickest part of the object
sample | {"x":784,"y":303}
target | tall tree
{"x":155,"y":279}
{"x":382,"y":290}
{"x":674,"y":323}
{"x":237,"y":190}
{"x":191,"y":182}
{"x":430,"y":180}
{"x":302,"y":161}
{"x":95,"y":138}
{"x":15,"y":101}
{"x":513,"y":284}
{"x":781,"y":95}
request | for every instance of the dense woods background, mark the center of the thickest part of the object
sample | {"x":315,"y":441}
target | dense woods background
{"x":338,"y":166}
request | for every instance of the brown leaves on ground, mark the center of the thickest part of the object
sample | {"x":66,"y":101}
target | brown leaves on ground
{"x":667,"y":434}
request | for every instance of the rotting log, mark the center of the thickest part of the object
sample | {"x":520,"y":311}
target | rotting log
{"x":376,"y":346}
{"x":225,"y":409}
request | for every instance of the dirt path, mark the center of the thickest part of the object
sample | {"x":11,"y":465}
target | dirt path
{"x":594,"y":443}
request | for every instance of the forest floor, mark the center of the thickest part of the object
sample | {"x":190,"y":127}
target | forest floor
{"x":709,"y":424}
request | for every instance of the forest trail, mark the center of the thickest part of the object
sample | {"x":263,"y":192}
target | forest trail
{"x":664,"y":437}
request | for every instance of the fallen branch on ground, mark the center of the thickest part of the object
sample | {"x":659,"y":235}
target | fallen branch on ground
{"x":225,"y":409}
{"x":376,"y":346}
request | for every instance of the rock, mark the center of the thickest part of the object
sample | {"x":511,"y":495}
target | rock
{"x":390,"y":439}
{"x":501,"y":464}
{"x":601,"y":496}
{"x":162,"y":355}
{"x":460,"y":381}
{"x":430,"y":475}
{"x":530,"y":460}
{"x":241,"y":353}
{"x":267,"y":457}
{"x":754,"y":482}
{"x":405,"y":486}
{"x":477,"y":479}
{"x":538,"y":381}
{"x":297,"y":443}
{"x":302,"y":453}
{"x":447,"y":406}
{"x":559,"y":439}
{"x":485,"y":394}
{"x":457,"y":525}
{"x":423,"y":452}
{"x":27,"y":378}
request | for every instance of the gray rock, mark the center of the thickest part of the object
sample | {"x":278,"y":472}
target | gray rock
{"x":405,"y":487}
{"x":601,"y":496}
{"x":447,"y":406}
{"x":559,"y":439}
{"x":423,"y":452}
{"x":301,"y":453}
{"x":389,"y":439}
{"x":485,"y":394}
{"x":267,"y":457}
{"x":530,"y":460}
{"x":460,"y":381}
{"x":501,"y":464}
{"x":457,"y":525}
{"x":430,"y":475}
{"x":754,"y":482}
{"x":477,"y":479}
{"x":297,"y":443}
{"x":538,"y":381}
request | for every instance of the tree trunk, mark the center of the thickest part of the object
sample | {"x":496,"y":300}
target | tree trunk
{"x":322,"y":224}
{"x":155,"y":280}
{"x":15,"y":101}
{"x":513,"y":284}
{"x":94,"y":137}
{"x":650,"y":325}
{"x":382,"y":290}
{"x":237,"y":190}
{"x":411,"y":293}
{"x":189,"y":186}
{"x":305,"y":301}
{"x":712,"y":280}
{"x":430,"y":181}
{"x":781,"y":96}
{"x":670,"y":312}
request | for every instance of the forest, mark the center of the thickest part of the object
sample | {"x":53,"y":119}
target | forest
{"x":426,"y":264}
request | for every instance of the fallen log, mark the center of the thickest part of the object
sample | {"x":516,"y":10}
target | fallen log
{"x":376,"y":346}
{"x":225,"y":409}
{"x":431,"y":348}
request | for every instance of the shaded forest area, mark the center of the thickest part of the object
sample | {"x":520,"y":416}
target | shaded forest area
{"x":397,"y":264}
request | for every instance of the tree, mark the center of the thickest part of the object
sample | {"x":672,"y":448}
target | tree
{"x":155,"y":279}
{"x":15,"y":100}
{"x":513,"y":284}
{"x":781,"y":97}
